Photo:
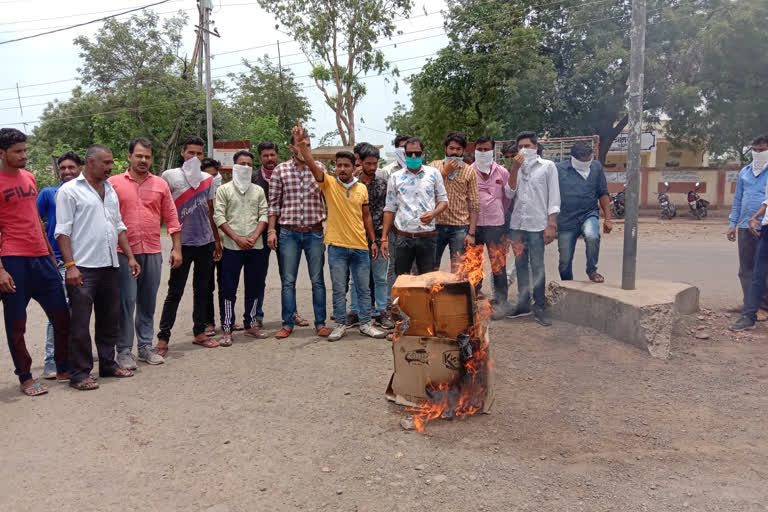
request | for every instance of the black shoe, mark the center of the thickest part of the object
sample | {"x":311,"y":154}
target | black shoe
{"x":383,"y":321}
{"x":542,"y":316}
{"x":352,"y":319}
{"x":743,"y":324}
{"x":520,"y":311}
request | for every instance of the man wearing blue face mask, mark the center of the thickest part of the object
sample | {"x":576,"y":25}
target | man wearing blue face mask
{"x":582,"y":188}
{"x":415,"y":197}
{"x":385,"y":172}
{"x":457,"y":225}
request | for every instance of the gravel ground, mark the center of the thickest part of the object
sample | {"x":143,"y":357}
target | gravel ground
{"x":580,"y":422}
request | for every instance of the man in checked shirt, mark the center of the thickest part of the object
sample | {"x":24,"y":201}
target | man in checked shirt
{"x":296,"y":203}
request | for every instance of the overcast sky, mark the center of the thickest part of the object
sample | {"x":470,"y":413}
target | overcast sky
{"x":242,"y":25}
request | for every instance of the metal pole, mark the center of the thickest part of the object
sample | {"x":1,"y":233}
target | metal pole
{"x":208,"y":92}
{"x":636,"y":71}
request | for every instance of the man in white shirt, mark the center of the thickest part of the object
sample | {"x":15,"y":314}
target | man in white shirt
{"x":89,"y":228}
{"x":533,"y":184}
{"x":415,"y":196}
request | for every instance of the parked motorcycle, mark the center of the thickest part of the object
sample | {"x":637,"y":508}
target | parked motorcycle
{"x":697,"y":205}
{"x":668,"y":209}
{"x":618,"y":208}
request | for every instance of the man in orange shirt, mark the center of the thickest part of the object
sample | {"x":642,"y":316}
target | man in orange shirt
{"x":145,"y":203}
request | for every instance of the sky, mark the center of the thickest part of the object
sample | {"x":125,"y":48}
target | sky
{"x":34,"y":63}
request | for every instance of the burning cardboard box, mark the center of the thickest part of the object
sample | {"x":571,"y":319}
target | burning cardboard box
{"x":442,"y":364}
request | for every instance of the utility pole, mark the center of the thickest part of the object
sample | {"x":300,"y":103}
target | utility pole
{"x":636,"y":73}
{"x":205,"y":29}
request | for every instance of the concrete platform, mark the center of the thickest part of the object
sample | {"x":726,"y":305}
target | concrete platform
{"x":642,"y":317}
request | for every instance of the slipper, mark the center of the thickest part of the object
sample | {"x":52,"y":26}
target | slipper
{"x":34,"y":390}
{"x":161,"y":351}
{"x":207,"y":343}
{"x":762,"y":315}
{"x":596,"y":278}
{"x":298,"y":320}
{"x":238,"y":327}
{"x":62,"y":377}
{"x":322,"y":331}
{"x":210,"y":330}
{"x":254,"y":332}
{"x":119,"y":373}
{"x":85,"y":385}
{"x":283,"y":333}
{"x":225,"y":341}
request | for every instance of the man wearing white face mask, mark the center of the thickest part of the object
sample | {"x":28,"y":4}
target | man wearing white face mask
{"x":534,"y":186}
{"x":457,"y":225}
{"x":193,"y":193}
{"x":241,"y":214}
{"x":747,"y":204}
{"x":582,"y":187}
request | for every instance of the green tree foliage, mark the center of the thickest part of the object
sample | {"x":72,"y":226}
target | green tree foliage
{"x":719,"y":99}
{"x":338,"y":38}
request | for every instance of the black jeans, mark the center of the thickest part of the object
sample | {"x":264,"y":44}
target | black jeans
{"x":202,"y":257}
{"x":495,"y":239}
{"x":420,"y":250}
{"x":100,"y":293}
{"x":747,"y":250}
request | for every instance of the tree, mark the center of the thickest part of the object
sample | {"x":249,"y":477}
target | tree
{"x":266,"y":102}
{"x":719,"y":100}
{"x":338,"y":37}
{"x":489,"y":80}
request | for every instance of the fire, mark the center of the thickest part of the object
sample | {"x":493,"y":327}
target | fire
{"x":470,"y":265}
{"x":497,"y":254}
{"x":436,"y":289}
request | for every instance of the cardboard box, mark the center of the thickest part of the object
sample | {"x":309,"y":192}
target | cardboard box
{"x":437,"y":304}
{"x":423,"y":360}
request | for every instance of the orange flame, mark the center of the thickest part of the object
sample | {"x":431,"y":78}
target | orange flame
{"x":497,"y":254}
{"x":470,"y":265}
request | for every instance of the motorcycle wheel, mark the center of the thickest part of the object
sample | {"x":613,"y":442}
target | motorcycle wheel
{"x":704,"y":212}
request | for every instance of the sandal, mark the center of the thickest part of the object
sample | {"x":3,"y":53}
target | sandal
{"x":85,"y":385}
{"x":254,"y":332}
{"x":238,"y":327}
{"x":283,"y":333}
{"x":210,"y":330}
{"x":298,"y":320}
{"x":323,"y":331}
{"x":33,"y":390}
{"x":120,"y":373}
{"x":160,"y":350}
{"x":225,"y":341}
{"x":207,"y":343}
{"x":596,"y":278}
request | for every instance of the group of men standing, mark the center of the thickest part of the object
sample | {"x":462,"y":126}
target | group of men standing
{"x":101,"y":239}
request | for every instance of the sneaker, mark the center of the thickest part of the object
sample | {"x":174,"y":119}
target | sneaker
{"x":383,"y":321}
{"x":542,"y":316}
{"x":352,"y":319}
{"x":520,"y":311}
{"x":744,"y":323}
{"x":126,"y":360}
{"x":338,"y":332}
{"x":149,"y":356}
{"x":372,"y":331}
{"x":49,"y":371}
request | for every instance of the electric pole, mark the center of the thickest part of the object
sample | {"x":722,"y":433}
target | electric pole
{"x":207,"y":7}
{"x":636,"y":72}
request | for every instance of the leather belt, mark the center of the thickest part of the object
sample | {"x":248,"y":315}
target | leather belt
{"x":303,"y":229}
{"x":424,"y":234}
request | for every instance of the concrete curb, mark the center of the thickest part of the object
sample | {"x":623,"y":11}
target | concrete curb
{"x":643,"y":317}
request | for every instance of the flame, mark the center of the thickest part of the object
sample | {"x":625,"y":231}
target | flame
{"x":497,"y":254}
{"x":436,"y":287}
{"x":470,"y":265}
{"x":517,"y":247}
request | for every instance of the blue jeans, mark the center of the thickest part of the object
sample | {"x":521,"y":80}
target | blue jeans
{"x":138,"y":296}
{"x":452,"y":237}
{"x":759,"y":274}
{"x":378,"y":281}
{"x":253,"y":262}
{"x":529,"y":253}
{"x":344,"y":263}
{"x":292,"y":243}
{"x":50,"y":363}
{"x":566,"y":244}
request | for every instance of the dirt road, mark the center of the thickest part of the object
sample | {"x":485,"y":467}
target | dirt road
{"x":581,"y":422}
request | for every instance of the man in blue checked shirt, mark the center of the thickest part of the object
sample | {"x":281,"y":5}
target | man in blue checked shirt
{"x":748,"y":199}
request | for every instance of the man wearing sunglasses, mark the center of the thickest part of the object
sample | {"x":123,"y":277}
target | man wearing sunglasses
{"x":415,"y":196}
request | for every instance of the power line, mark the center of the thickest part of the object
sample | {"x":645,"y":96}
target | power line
{"x":82,"y":24}
{"x":73,"y":15}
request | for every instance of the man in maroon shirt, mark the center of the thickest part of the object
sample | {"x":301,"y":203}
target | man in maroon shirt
{"x":28,"y":265}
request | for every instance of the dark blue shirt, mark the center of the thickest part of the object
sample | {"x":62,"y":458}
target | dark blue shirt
{"x":578,"y":196}
{"x":46,"y":206}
